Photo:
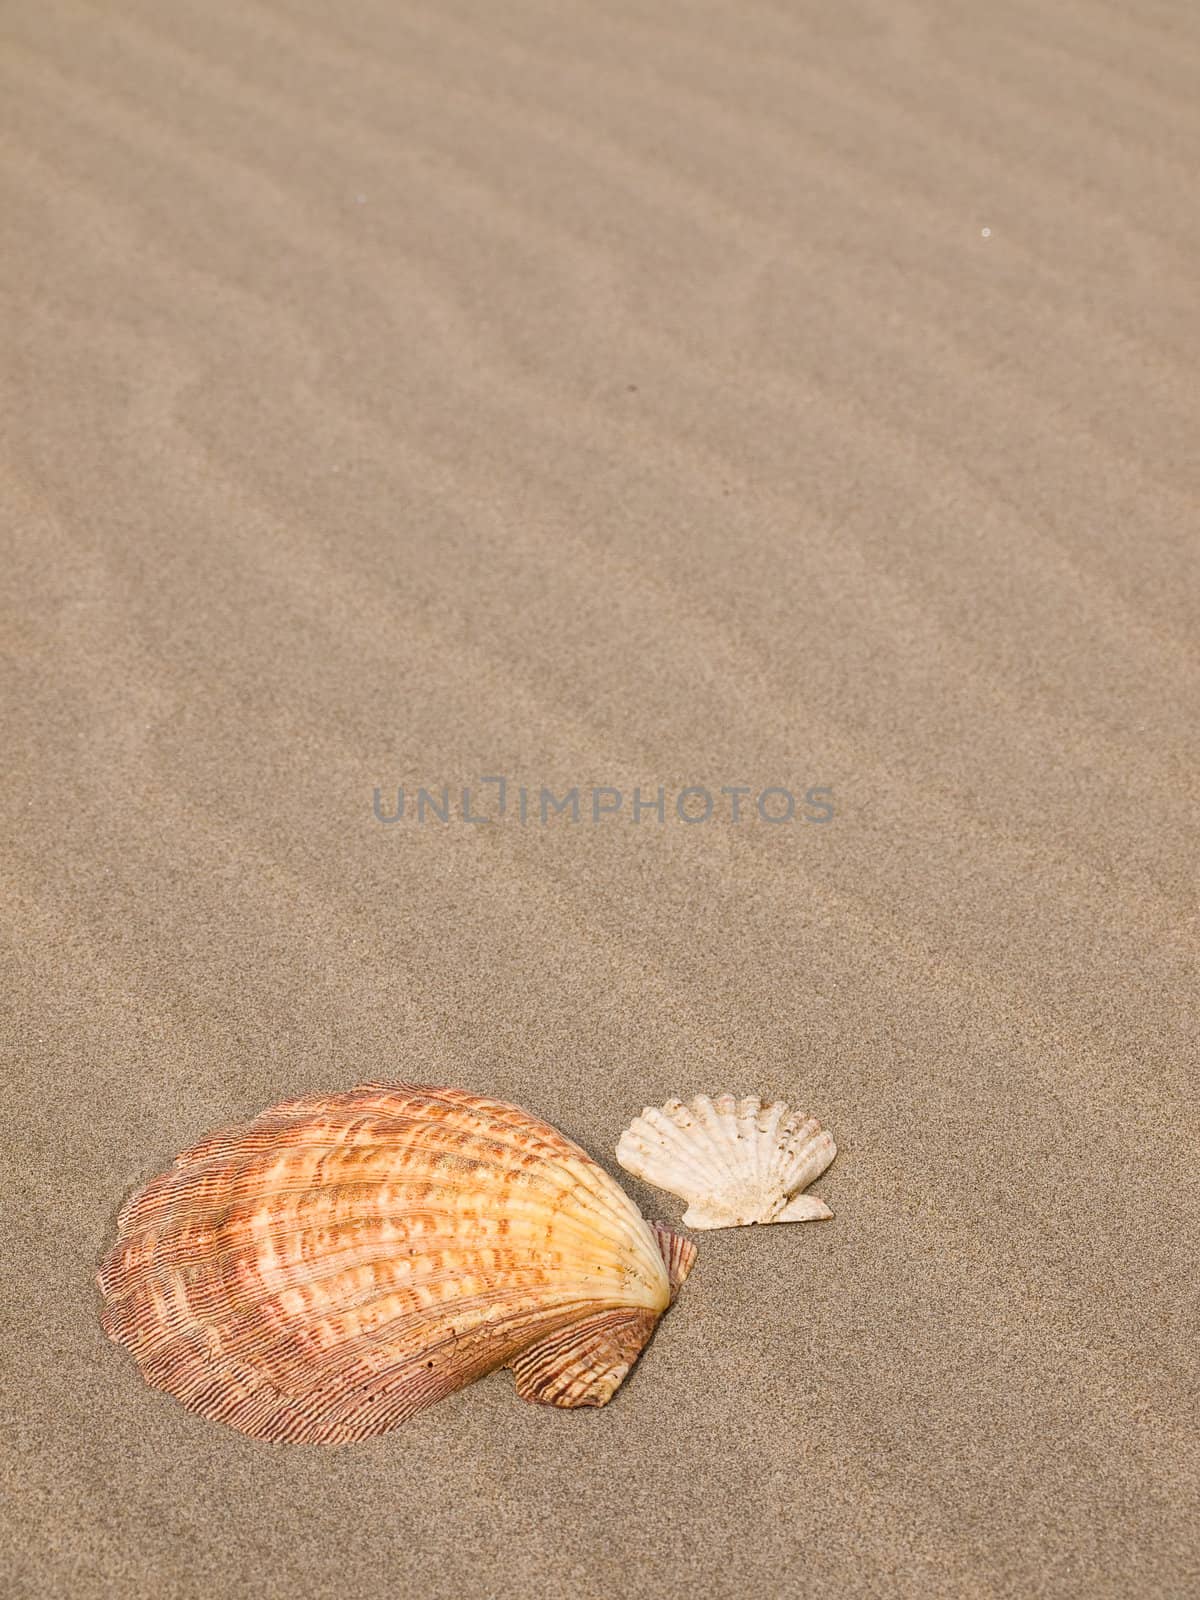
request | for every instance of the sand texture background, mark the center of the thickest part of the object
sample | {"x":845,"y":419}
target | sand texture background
{"x":630,"y":395}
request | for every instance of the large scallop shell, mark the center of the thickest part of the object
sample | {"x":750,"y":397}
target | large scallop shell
{"x":733,"y":1161}
{"x":345,"y":1260}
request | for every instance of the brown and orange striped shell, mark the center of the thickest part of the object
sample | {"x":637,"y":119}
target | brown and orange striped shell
{"x":345,"y":1260}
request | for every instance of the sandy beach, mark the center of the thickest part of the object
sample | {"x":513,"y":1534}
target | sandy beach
{"x":792,"y":404}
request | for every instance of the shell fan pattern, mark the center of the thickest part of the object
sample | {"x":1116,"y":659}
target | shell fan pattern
{"x":734,"y":1161}
{"x":324,"y":1272}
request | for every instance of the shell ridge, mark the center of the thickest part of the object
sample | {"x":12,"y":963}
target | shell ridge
{"x":706,"y":1149}
{"x":639,"y":1147}
{"x":645,"y":1135}
{"x":678,"y":1252}
{"x":453,"y":1172}
{"x":271,"y":1123}
{"x":639,"y":1142}
{"x":242,"y":1239}
{"x":530,"y":1129}
{"x":378,"y":1278}
{"x":810,"y":1160}
{"x":500,"y":1341}
{"x":517,"y":1280}
{"x":769,"y":1125}
{"x":185,"y":1179}
{"x":172,"y":1353}
{"x":409,"y":1386}
{"x":707,"y":1134}
{"x":349,"y":1286}
{"x":584,"y":1362}
{"x":418,"y":1376}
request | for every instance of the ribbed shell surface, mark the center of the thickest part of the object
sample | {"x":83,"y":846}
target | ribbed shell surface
{"x":734,"y":1161}
{"x":342,"y":1261}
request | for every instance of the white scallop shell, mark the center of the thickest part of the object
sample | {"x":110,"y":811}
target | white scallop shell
{"x":733,"y":1161}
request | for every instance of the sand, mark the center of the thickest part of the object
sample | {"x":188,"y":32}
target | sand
{"x":772,"y":395}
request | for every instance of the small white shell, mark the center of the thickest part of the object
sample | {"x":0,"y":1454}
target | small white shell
{"x":733,"y":1161}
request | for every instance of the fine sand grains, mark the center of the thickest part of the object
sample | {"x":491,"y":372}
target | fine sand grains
{"x":779,"y":395}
